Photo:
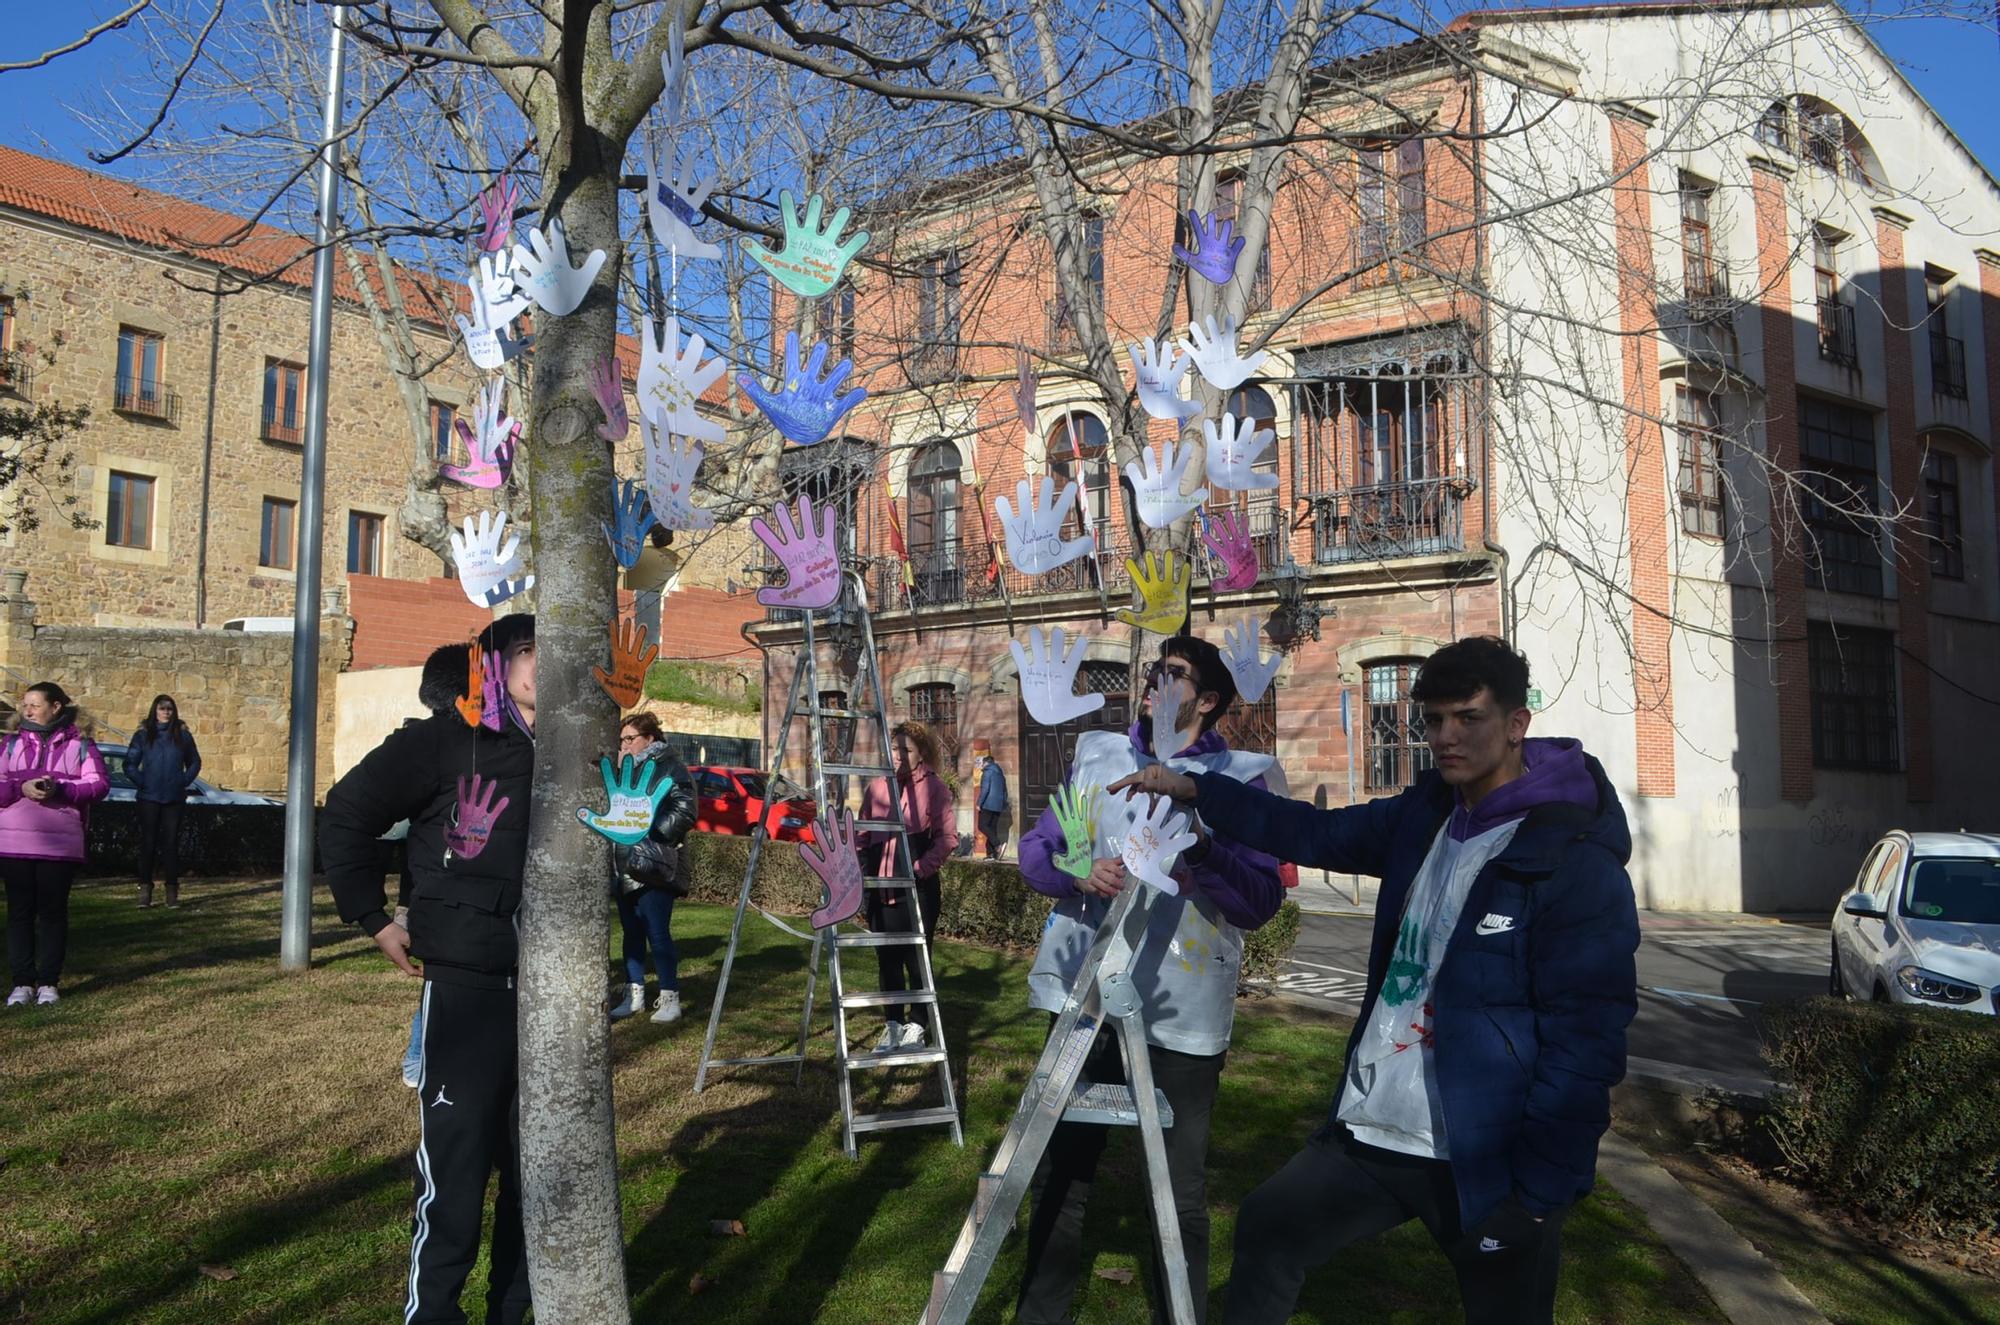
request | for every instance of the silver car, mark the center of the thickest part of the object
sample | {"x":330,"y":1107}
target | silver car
{"x":1921,"y":923}
{"x":201,"y":793}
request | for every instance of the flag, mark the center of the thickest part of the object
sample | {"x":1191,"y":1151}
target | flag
{"x":986,"y":530}
{"x":902,"y":551}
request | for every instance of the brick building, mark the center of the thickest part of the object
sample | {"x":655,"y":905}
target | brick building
{"x":1686,"y":386}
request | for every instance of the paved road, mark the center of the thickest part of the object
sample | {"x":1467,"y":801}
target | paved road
{"x":1701,"y":980}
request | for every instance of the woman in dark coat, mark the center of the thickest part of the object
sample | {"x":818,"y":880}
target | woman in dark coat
{"x":162,"y":762}
{"x":647,"y":876}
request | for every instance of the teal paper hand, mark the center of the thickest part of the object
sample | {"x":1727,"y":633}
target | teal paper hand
{"x":636,"y":791}
{"x":810,"y":263}
{"x":1405,"y":977}
{"x":1076,"y":813}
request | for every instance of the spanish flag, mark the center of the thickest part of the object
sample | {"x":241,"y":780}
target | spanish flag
{"x":902,"y":551}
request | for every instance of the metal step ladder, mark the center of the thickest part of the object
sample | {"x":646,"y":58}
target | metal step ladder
{"x":1103,"y":989}
{"x":803,"y":702}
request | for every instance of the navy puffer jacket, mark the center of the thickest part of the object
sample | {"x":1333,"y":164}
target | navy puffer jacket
{"x":163,"y":766}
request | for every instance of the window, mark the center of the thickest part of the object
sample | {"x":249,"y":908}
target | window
{"x":1837,"y":468}
{"x":1836,"y":318}
{"x":1941,"y":515}
{"x":1701,"y":464}
{"x":1412,"y":223}
{"x":1387,"y":218}
{"x":1947,"y":350}
{"x":934,"y":552}
{"x":1774,"y":127}
{"x":940,"y":277}
{"x":274,"y":545}
{"x":1394,"y":739}
{"x":139,"y":389}
{"x":443,"y":417}
{"x":364,"y":543}
{"x":14,"y":371}
{"x":284,"y":402}
{"x":6,"y":324}
{"x":1062,"y":326}
{"x":838,"y":732}
{"x":1853,"y":674}
{"x":1079,"y":450}
{"x":1826,"y":271}
{"x":1399,"y":434}
{"x":1259,"y":508}
{"x":843,"y":318}
{"x":935,"y":704}
{"x":1699,"y":278}
{"x":1228,"y":207}
{"x":128,"y":514}
{"x":1252,"y":728}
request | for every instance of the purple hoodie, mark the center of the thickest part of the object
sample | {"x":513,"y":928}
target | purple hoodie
{"x":1555,"y":774}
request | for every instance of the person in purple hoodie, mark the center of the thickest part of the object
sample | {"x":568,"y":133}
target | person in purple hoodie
{"x":49,"y":777}
{"x":1492,"y":1029}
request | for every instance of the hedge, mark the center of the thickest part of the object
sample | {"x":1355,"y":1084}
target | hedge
{"x":1890,"y":1110}
{"x":216,"y":840}
{"x":984,"y":903}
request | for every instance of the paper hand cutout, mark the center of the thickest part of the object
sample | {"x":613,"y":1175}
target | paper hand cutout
{"x":1214,"y":351}
{"x":673,"y":205}
{"x":810,"y":262}
{"x":496,"y":211}
{"x":833,"y":857}
{"x":809,"y":553}
{"x":543,"y":272}
{"x":1233,"y":448}
{"x":671,"y":464}
{"x":482,"y":562}
{"x":607,"y":383}
{"x":1214,"y":255}
{"x":472,"y":704}
{"x":636,"y":792}
{"x":673,"y":71}
{"x":1155,"y":841}
{"x":1161,"y":586}
{"x":1048,"y":677}
{"x":491,"y":429}
{"x":1156,"y":483}
{"x":1025,"y":383}
{"x":1170,"y":695}
{"x":633,"y":514}
{"x":493,"y":703}
{"x":495,"y":305}
{"x":630,"y":657}
{"x":1035,"y":541}
{"x":1229,"y":538}
{"x":484,"y":472}
{"x":670,"y":382}
{"x":1251,"y":673}
{"x":806,"y":408}
{"x":473,"y":816}
{"x":1076,"y":814}
{"x":506,"y":589}
{"x":1160,"y":370}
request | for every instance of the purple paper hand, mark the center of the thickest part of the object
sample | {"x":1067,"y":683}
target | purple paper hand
{"x":496,"y":207}
{"x":494,"y":667}
{"x":832,"y":856}
{"x":472,"y":819}
{"x":607,"y":383}
{"x":1229,"y":538}
{"x":808,"y":553}
{"x":806,"y":409}
{"x":1214,"y":255}
{"x":1025,"y":383}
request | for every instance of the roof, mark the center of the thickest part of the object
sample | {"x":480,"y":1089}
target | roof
{"x":1986,"y":845}
{"x":1476,"y":18}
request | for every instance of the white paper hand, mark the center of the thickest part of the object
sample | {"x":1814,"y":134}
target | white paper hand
{"x":670,"y":382}
{"x":483,"y":563}
{"x":1160,"y":371}
{"x":1251,"y":673}
{"x":495,"y":303}
{"x":1048,"y":677}
{"x":673,"y":204}
{"x":1170,"y":694}
{"x":543,"y":271}
{"x":1157,"y":485}
{"x":1233,"y":449}
{"x":673,"y":71}
{"x":1035,"y":541}
{"x":1153,"y":843}
{"x":671,"y":463}
{"x":1214,"y":352}
{"x":491,"y":431}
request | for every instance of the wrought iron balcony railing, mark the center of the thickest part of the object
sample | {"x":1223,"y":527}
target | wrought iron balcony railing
{"x":1836,"y":333}
{"x":1385,"y":521}
{"x":17,"y":372}
{"x":147,"y":400}
{"x":1948,"y":366}
{"x":278,"y":428}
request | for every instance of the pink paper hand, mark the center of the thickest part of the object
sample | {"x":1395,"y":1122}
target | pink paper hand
{"x":473,"y":818}
{"x":495,"y":668}
{"x":832,"y":856}
{"x":485,"y":473}
{"x":496,"y":209}
{"x":807,"y":552}
{"x":1227,"y":537}
{"x":607,"y":383}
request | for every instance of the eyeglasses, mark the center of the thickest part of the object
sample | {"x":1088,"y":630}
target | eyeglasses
{"x":628,"y":737}
{"x":1166,"y":665}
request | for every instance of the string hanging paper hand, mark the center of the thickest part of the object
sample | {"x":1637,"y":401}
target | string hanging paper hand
{"x":491,"y":428}
{"x":484,"y":473}
{"x":495,"y":304}
{"x":1161,"y":588}
{"x":1154,"y":842}
{"x":542,"y":269}
{"x":671,"y":382}
{"x":810,"y":262}
{"x":1035,"y":541}
{"x":635,"y":793}
{"x":1213,"y":349}
{"x":473,"y":817}
{"x":496,"y":212}
{"x":673,"y":205}
{"x":809,"y":553}
{"x":630,"y":657}
{"x":1156,"y":484}
{"x":1229,"y":538}
{"x":1048,"y":676}
{"x":633,"y":516}
{"x":1160,"y":369}
{"x":1025,"y":383}
{"x":1170,"y":694}
{"x":671,"y":464}
{"x":1214,"y":255}
{"x":472,"y":704}
{"x":833,"y":856}
{"x":482,"y":562}
{"x":1234,"y":446}
{"x":1240,"y":654}
{"x":1076,"y":815}
{"x":607,"y":384}
{"x":805,"y":408}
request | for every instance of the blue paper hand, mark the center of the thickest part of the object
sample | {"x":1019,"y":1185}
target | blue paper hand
{"x":633,"y":514}
{"x":806,"y":409}
{"x":1214,"y":254}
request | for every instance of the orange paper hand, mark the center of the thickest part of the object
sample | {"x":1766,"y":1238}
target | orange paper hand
{"x":630,"y":657}
{"x":473,"y":702}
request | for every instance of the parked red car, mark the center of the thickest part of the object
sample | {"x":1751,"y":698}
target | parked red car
{"x":731,"y":800}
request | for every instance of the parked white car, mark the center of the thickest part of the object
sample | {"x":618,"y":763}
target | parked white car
{"x":1922,"y":923}
{"x":201,"y":793}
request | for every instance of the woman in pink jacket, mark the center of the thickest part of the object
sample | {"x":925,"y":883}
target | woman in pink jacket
{"x":49,"y":775}
{"x":928,"y":818}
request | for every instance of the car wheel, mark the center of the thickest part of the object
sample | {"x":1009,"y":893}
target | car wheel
{"x":1835,"y":986}
{"x":1881,"y":993}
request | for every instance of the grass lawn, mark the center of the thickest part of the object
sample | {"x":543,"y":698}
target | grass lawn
{"x":188,"y":1106}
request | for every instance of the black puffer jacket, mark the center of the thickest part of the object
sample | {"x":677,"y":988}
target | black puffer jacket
{"x":461,"y":909}
{"x":671,"y":822}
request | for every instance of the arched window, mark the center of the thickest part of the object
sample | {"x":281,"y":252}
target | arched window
{"x":1080,"y":450}
{"x":1394,"y":751}
{"x":1821,"y":134}
{"x":935,"y":704}
{"x":934,"y":502}
{"x":1258,"y":509}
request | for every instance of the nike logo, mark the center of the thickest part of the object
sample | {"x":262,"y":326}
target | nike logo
{"x":1495,"y":923}
{"x":1492,"y":1244}
{"x":440,"y":1099}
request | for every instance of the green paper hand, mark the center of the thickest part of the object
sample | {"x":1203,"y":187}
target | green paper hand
{"x":1076,"y":812}
{"x":1405,"y":978}
{"x":636,"y":792}
{"x":810,"y":263}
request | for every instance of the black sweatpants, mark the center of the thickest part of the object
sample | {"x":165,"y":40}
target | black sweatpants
{"x":160,"y":834}
{"x":37,"y":918}
{"x":1338,"y":1191}
{"x":468,"y":1104}
{"x":1069,"y":1167}
{"x":899,"y":968}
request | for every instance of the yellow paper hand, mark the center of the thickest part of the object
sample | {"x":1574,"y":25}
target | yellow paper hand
{"x":1161,"y":587}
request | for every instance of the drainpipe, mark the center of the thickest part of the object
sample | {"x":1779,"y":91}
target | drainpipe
{"x":208,"y":454}
{"x":1484,"y":351}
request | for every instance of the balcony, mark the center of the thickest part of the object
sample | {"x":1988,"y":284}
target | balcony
{"x":1948,"y":366}
{"x":17,"y":372}
{"x":1836,"y":334}
{"x":1386,"y":521}
{"x":147,"y":400}
{"x":1701,"y":325}
{"x":277,"y":428}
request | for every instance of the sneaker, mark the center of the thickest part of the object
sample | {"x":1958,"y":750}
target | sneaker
{"x":634,"y":1001}
{"x":20,"y":995}
{"x":913,"y":1036}
{"x":45,"y":995}
{"x":892,"y":1035}
{"x":670,"y":1006}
